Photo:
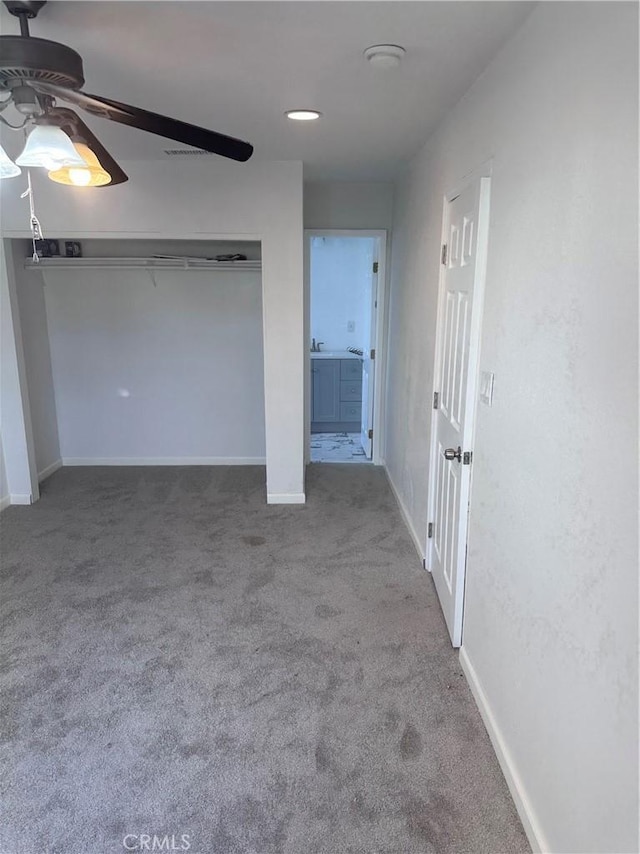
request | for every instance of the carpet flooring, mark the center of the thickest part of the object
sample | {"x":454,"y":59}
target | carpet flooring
{"x":183,"y":661}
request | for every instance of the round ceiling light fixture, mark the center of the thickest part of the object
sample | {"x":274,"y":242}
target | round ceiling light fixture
{"x":385,"y":55}
{"x":303,"y":115}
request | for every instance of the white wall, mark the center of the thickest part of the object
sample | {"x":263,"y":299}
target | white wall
{"x":15,"y":410}
{"x":550,"y":628}
{"x":4,"y":486}
{"x":345,"y":204}
{"x":35,"y":342}
{"x":228,"y":201}
{"x":341,"y":275}
{"x":162,"y":372}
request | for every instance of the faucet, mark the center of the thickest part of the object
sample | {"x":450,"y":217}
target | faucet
{"x":315,"y":345}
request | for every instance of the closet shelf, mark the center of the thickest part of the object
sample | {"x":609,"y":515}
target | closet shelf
{"x":64,"y":263}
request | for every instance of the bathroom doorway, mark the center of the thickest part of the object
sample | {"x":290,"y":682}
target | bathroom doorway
{"x":345,"y":275}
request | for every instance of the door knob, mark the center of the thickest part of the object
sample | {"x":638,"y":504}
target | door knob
{"x":450,"y":454}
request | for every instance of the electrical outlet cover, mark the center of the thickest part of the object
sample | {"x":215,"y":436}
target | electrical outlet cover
{"x":486,"y":387}
{"x":351,"y":326}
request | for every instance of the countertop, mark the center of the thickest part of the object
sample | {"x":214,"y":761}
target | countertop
{"x":334,"y":354}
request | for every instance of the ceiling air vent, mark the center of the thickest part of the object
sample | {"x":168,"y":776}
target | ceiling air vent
{"x":187,"y":152}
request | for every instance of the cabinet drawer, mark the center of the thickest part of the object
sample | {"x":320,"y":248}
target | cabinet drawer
{"x":351,"y":390}
{"x":351,"y":411}
{"x":350,"y":369}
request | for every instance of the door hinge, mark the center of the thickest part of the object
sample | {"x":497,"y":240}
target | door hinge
{"x":443,"y":255}
{"x":436,"y":399}
{"x":467,"y":458}
{"x":370,"y":433}
{"x":375,"y":266}
{"x":372,"y":355}
{"x":430,"y":530}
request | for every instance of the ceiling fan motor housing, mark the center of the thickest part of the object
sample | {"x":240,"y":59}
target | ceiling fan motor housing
{"x":29,"y":59}
{"x":30,"y":8}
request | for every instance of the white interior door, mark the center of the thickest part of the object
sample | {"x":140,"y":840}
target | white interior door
{"x":368,"y":368}
{"x":459,"y":320}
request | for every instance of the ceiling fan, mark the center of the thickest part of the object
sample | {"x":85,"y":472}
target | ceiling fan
{"x":36,"y":73}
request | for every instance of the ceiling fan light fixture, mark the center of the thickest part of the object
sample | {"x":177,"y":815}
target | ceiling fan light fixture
{"x":90,"y":174}
{"x":49,"y":147}
{"x":8,"y":168}
{"x":385,"y":55}
{"x":303,"y":115}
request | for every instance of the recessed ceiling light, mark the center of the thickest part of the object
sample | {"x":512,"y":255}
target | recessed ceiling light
{"x":303,"y":115}
{"x":385,"y":55}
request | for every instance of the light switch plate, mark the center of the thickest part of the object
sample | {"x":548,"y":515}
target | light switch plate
{"x":351,"y":326}
{"x":486,"y":388}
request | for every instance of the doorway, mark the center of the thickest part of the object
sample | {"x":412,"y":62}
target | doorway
{"x":461,"y":297}
{"x":345,"y":277}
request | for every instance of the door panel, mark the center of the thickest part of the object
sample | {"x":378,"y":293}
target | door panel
{"x":462,"y":286}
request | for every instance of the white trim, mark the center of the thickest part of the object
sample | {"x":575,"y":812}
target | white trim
{"x":21,"y":499}
{"x":405,"y":516}
{"x":163,"y":461}
{"x":173,"y":234}
{"x":49,"y":470}
{"x":5,"y":502}
{"x":286,"y":498}
{"x":380,"y":339}
{"x":522,"y":802}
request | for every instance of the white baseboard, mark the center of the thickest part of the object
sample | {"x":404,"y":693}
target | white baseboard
{"x":405,"y":515}
{"x":524,"y":806}
{"x":286,"y":498}
{"x":49,"y":470}
{"x":163,"y":461}
{"x":21,"y":499}
{"x":5,"y":502}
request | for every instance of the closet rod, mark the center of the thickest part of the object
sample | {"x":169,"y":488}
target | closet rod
{"x":138,"y":264}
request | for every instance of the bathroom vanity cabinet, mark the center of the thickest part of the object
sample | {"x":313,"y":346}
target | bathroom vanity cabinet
{"x":336,"y":394}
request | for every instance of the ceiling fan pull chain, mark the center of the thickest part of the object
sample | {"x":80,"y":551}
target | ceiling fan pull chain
{"x":36,"y":228}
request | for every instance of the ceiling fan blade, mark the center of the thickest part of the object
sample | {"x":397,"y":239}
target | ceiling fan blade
{"x":226,"y":146}
{"x":78,"y":131}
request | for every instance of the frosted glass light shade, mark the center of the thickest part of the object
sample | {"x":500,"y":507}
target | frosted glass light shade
{"x":8,"y":168}
{"x":90,"y":174}
{"x":50,"y":147}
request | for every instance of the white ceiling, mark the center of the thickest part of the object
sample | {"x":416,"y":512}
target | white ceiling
{"x":237,"y":66}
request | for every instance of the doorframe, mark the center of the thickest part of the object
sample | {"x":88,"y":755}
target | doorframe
{"x":482,"y":173}
{"x":380,"y":337}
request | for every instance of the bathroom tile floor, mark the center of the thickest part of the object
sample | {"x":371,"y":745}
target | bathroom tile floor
{"x":337,"y":448}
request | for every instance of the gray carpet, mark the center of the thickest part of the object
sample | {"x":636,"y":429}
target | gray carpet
{"x":180,"y":658}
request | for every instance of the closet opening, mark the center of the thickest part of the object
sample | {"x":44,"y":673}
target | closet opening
{"x":143,"y":352}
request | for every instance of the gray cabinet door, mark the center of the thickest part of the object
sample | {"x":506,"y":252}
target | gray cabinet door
{"x":326,"y":389}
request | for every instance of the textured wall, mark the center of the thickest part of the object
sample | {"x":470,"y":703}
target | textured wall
{"x":344,"y":204}
{"x":164,"y":371}
{"x":550,"y":615}
{"x":37,"y":357}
